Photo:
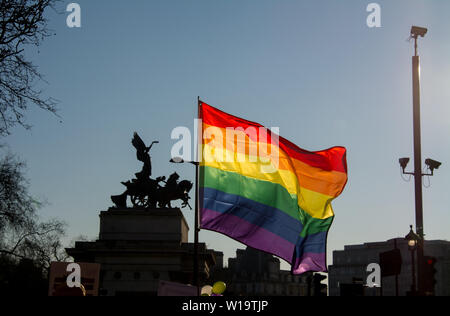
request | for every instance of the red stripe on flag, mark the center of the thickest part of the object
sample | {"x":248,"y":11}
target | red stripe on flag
{"x":330,"y":159}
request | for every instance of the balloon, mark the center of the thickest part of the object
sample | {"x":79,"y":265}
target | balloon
{"x":206,"y":290}
{"x":219,"y":287}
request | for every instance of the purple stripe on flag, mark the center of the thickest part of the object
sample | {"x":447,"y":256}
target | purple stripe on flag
{"x":247,"y":233}
{"x":310,"y":262}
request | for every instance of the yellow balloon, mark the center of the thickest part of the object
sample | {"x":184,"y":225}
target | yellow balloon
{"x":219,"y":287}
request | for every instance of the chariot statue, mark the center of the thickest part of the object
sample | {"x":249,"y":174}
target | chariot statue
{"x":145,"y":192}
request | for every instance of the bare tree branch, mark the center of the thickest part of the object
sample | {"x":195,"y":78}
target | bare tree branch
{"x":29,"y":234}
{"x":22,"y":23}
{"x":6,"y":252}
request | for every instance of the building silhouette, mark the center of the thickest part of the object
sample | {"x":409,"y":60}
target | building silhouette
{"x":349,"y":266}
{"x":256,"y":273}
{"x":137,"y":249}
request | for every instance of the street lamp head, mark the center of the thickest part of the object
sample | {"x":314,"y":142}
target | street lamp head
{"x":412,"y":243}
{"x":177,"y":160}
{"x":417,"y":31}
{"x":432,"y":164}
{"x":412,"y":238}
{"x":403,"y":162}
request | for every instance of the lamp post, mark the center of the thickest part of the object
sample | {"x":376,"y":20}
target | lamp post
{"x":413,"y":240}
{"x":417,"y":32}
{"x":180,"y":160}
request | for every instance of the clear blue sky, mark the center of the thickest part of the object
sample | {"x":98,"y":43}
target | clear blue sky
{"x":312,"y":68}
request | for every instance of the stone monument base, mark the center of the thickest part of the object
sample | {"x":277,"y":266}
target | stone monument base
{"x":138,"y":248}
{"x":154,"y":224}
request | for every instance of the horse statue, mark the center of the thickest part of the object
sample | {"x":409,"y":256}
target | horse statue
{"x":145,"y":192}
{"x":174,"y":191}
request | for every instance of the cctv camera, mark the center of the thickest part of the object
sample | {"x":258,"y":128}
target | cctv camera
{"x":432,"y":164}
{"x":418,"y":31}
{"x":404,"y":162}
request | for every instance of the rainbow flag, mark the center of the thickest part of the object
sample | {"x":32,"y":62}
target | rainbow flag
{"x":264,"y":191}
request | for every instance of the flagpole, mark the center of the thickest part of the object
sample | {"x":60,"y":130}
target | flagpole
{"x":196,"y":224}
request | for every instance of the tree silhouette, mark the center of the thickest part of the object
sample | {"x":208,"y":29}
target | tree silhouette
{"x":22,"y":24}
{"x":22,"y":235}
